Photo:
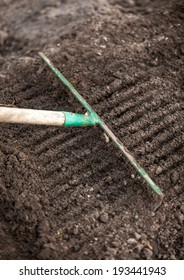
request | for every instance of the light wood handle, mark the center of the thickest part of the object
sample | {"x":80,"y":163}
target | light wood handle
{"x":31,"y":116}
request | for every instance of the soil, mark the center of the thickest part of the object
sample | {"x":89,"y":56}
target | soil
{"x":65,"y":193}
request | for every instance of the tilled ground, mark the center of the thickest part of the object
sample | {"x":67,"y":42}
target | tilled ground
{"x":65,"y":193}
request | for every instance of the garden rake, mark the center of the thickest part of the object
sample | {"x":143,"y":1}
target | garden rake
{"x":61,"y":118}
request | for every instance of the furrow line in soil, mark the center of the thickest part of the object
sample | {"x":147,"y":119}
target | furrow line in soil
{"x":161,"y":140}
{"x":48,"y":138}
{"x":22,"y":132}
{"x":57,"y":138}
{"x":95,"y":172}
{"x":84,"y":169}
{"x":139,"y":111}
{"x":166,"y":152}
{"x":40,"y":135}
{"x":76,"y":153}
{"x":166,"y":114}
{"x":172,"y":137}
{"x":116,"y":99}
{"x":109,"y":91}
{"x":153,"y":129}
{"x":122,"y":109}
{"x":171,"y":163}
{"x":132,"y":93}
{"x":163,"y":155}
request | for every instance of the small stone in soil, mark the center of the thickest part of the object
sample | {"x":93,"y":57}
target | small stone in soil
{"x":132,"y":241}
{"x":115,"y":85}
{"x":115,"y":244}
{"x":87,"y":152}
{"x":75,"y":231}
{"x":180,"y":218}
{"x":148,"y":253}
{"x":104,"y":217}
{"x":172,"y":257}
{"x":174,"y":177}
{"x":139,"y":248}
{"x":182,"y":208}
{"x":108,"y":180}
{"x":178,"y":189}
{"x":124,"y":182}
{"x":158,"y":170}
{"x":3,"y":37}
{"x":73,"y":182}
{"x":143,"y":236}
{"x":137,"y":236}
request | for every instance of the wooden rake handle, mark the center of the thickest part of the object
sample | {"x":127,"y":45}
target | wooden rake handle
{"x":44,"y":117}
{"x":31,"y":116}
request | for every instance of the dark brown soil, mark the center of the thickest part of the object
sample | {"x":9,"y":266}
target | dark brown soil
{"x":64,"y":192}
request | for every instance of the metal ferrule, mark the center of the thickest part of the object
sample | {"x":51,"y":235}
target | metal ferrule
{"x":73,"y":119}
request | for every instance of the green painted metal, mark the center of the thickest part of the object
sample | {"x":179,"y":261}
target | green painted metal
{"x":71,"y":88}
{"x":109,"y":132}
{"x":73,"y":119}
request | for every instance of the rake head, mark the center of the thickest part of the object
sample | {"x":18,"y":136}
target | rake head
{"x":109,"y":132}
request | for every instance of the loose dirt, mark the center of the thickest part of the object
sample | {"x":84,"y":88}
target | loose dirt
{"x":65,"y":193}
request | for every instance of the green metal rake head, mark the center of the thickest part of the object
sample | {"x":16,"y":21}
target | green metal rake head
{"x":95,"y":119}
